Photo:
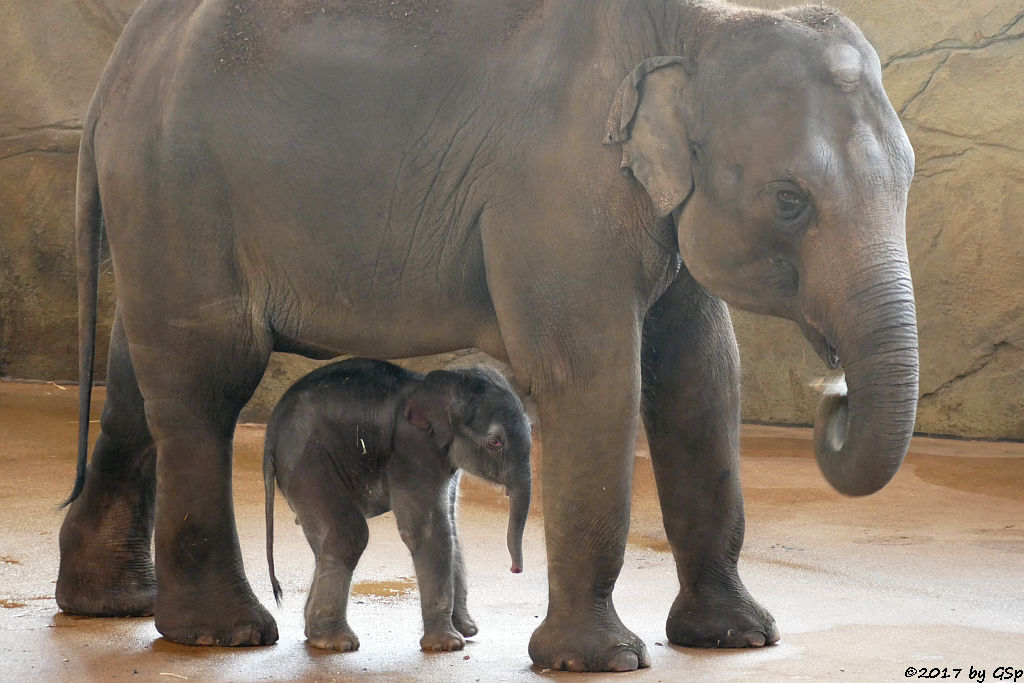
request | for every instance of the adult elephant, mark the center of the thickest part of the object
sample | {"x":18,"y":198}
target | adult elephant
{"x":575,"y":187}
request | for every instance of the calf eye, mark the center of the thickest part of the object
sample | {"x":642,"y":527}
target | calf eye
{"x":495,"y":441}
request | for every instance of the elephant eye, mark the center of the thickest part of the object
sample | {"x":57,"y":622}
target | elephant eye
{"x":495,"y":441}
{"x":791,"y":204}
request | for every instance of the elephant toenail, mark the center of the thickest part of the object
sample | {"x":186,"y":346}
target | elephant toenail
{"x":246,"y":637}
{"x":204,"y":640}
{"x":625,"y":661}
{"x":755,"y":639}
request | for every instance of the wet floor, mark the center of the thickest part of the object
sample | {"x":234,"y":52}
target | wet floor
{"x":927,"y":574}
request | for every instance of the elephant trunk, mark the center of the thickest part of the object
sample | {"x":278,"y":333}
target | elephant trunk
{"x":863,"y":429}
{"x":519,"y":510}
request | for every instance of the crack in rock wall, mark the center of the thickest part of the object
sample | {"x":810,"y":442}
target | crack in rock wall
{"x":953,"y":71}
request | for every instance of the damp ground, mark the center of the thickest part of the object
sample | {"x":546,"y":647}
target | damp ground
{"x":924,"y":577}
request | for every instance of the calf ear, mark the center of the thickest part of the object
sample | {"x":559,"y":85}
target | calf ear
{"x":430,"y":408}
{"x":646,"y":118}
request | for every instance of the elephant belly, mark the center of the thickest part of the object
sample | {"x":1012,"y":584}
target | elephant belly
{"x":376,"y":499}
{"x":384,"y":322}
{"x":374,"y":261}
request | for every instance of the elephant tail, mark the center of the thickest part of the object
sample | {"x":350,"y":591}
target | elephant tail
{"x":88,"y":237}
{"x":268,"y":489}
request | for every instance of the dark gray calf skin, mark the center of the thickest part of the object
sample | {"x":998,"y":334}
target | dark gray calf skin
{"x":358,"y":438}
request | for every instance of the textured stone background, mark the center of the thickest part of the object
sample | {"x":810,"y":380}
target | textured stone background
{"x":51,"y":55}
{"x":954,"y":71}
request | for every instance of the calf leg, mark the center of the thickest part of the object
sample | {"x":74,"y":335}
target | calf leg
{"x":337,"y":532}
{"x":461,"y":620}
{"x":424,"y":523}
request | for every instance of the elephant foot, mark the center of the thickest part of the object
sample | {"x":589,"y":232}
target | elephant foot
{"x":101,"y":577}
{"x":601,"y":645}
{"x":720,"y":619}
{"x":105,"y":591}
{"x":338,"y":637}
{"x":209,"y":621}
{"x":464,"y":624}
{"x":442,"y":641}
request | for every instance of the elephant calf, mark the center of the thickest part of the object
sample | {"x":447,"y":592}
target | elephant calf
{"x":354,"y":439}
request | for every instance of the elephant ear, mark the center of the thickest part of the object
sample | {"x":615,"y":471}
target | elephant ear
{"x":430,"y":408}
{"x":647,"y":119}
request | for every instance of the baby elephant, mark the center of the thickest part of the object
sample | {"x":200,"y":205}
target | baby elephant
{"x":357,"y":438}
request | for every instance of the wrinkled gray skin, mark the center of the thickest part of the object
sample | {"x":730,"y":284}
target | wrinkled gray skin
{"x":355,"y":439}
{"x":574,"y":187}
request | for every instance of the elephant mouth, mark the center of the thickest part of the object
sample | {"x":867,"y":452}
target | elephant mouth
{"x":831,"y":357}
{"x":822,"y":346}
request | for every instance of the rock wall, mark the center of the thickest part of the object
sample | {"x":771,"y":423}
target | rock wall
{"x":953,"y":71}
{"x":51,"y":55}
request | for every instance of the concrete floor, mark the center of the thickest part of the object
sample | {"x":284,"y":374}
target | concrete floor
{"x":926,"y":574}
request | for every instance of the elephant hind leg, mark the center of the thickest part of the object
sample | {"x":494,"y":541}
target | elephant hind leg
{"x":106,"y":568}
{"x":692,"y":414}
{"x":337,"y":533}
{"x":196,"y":377}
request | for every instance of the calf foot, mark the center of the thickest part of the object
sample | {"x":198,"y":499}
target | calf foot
{"x":599,"y":644}
{"x":442,"y":641}
{"x":464,"y":624}
{"x":336,"y":636}
{"x":720,"y":618}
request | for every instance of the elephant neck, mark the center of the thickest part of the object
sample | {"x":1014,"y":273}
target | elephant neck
{"x":628,"y":32}
{"x":653,"y":28}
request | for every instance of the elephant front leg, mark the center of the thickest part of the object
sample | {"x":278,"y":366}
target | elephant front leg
{"x":588,"y":435}
{"x":424,"y":525}
{"x":692,"y":413}
{"x":568,"y":318}
{"x":463,"y":623}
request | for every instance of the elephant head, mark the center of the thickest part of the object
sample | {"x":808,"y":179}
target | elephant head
{"x":774,"y":149}
{"x":477,"y":415}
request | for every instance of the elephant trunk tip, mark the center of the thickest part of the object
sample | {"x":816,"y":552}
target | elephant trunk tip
{"x":519,"y":509}
{"x":515,"y":550}
{"x":856,"y":460}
